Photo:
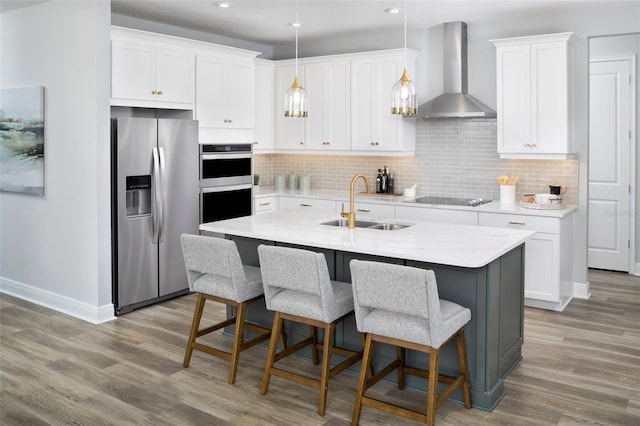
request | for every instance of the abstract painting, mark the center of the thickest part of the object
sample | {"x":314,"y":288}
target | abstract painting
{"x":22,"y":140}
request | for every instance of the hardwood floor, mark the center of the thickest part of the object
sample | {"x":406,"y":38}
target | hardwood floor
{"x":581,"y":366}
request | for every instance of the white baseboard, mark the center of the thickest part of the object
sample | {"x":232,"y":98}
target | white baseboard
{"x":64,"y":304}
{"x":636,"y":269}
{"x":581,"y":290}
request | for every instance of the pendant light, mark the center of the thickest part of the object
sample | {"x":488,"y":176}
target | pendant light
{"x":295,"y":100}
{"x":403,"y":95}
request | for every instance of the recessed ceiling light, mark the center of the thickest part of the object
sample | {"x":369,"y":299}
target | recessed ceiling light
{"x":393,"y":10}
{"x":296,"y":24}
{"x":224,"y":4}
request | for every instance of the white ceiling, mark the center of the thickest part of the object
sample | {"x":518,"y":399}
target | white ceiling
{"x":268,"y":22}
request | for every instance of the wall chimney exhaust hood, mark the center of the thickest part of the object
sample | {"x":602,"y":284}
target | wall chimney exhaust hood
{"x":455,"y":101}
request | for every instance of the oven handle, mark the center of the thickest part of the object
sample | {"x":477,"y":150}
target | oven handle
{"x":224,"y":156}
{"x":225,"y":188}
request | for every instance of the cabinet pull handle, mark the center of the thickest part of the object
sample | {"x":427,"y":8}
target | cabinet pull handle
{"x":326,"y":143}
{"x":154,"y":92}
{"x":305,"y":205}
{"x":533,"y":145}
{"x":526,"y":145}
{"x":375,"y":143}
{"x":265,"y":204}
{"x":159,"y":92}
{"x":364,"y":211}
{"x":515,"y":222}
{"x":256,"y":142}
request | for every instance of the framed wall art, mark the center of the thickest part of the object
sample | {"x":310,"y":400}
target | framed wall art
{"x":22,"y":140}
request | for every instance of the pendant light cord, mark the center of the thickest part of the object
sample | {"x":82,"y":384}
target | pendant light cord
{"x":297,"y":47}
{"x":405,"y":34}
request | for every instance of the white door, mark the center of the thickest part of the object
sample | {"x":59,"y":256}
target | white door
{"x":609,"y":165}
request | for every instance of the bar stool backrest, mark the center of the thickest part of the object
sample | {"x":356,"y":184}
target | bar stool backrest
{"x":395,"y":288}
{"x":217,"y":257}
{"x":285,"y":268}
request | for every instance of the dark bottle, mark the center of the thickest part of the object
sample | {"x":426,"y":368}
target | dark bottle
{"x":384,"y":181}
{"x":390,"y":184}
{"x":379,"y":182}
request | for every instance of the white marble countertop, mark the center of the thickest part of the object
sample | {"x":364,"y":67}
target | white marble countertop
{"x":492,"y":207}
{"x":440,"y":243}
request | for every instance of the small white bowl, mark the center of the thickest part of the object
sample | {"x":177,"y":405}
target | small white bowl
{"x":409,"y":192}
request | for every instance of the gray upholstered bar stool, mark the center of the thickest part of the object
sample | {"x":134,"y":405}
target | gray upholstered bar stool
{"x":298,"y":288}
{"x":215,"y":272}
{"x":399,"y":305}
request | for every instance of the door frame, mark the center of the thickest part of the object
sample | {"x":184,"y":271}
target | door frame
{"x":631,"y":59}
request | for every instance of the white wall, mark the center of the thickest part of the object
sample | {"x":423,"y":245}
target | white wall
{"x":625,"y":45}
{"x":55,"y":250}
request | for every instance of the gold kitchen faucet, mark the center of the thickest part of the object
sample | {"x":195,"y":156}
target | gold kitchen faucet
{"x":351,"y":214}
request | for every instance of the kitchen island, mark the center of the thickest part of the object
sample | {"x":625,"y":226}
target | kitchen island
{"x":480,"y":268}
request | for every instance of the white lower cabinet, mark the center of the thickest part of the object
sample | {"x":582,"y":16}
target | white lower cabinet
{"x":460,"y":217}
{"x":368,"y":210}
{"x":264,"y":204}
{"x":307,"y":204}
{"x":548,"y":282}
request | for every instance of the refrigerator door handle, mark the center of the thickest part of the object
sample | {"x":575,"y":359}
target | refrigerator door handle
{"x":157,"y":192}
{"x":163,"y":201}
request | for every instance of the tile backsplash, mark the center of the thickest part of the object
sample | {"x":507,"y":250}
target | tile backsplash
{"x":454,"y":157}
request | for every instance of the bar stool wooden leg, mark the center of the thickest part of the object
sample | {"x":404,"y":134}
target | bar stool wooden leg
{"x":400,"y":354}
{"x":197,"y":315}
{"x":362,"y":380}
{"x":314,"y":344}
{"x":241,"y":313}
{"x":271,"y":354}
{"x":326,"y":366}
{"x":464,"y":368}
{"x":432,"y":396}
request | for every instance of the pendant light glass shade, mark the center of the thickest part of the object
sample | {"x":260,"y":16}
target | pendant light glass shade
{"x":404,"y":100}
{"x":295,"y":100}
{"x":403,"y":96}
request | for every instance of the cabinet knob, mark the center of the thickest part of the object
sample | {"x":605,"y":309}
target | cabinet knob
{"x":301,"y":142}
{"x":154,"y":92}
{"x":526,"y":145}
{"x":326,"y":143}
{"x":159,"y":92}
{"x":375,"y":143}
{"x":533,"y":145}
{"x":256,"y":142}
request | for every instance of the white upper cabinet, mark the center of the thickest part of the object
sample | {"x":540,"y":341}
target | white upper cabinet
{"x":535,"y":96}
{"x":373,"y":127}
{"x":263,"y":131}
{"x":149,"y":74}
{"x":225,"y":91}
{"x":349,"y":104}
{"x":291,"y":132}
{"x":329,"y":109}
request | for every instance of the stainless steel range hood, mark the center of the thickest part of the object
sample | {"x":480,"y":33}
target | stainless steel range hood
{"x":455,"y":101}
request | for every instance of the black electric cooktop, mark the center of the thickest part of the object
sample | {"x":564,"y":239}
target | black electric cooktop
{"x":450,"y":201}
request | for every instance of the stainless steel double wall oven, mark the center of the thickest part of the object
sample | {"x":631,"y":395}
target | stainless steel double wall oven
{"x":226,"y":181}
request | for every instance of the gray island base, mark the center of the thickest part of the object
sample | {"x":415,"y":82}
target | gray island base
{"x":494,"y":292}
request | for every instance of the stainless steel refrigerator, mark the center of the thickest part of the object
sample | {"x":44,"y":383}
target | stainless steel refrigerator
{"x":155,"y":198}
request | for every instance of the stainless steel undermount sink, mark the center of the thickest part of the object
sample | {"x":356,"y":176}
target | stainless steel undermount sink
{"x":368,"y":225}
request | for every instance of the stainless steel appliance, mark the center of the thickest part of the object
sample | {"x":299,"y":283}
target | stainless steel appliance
{"x":450,"y":201}
{"x":225,"y":181}
{"x":455,"y":101}
{"x":154,"y":193}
